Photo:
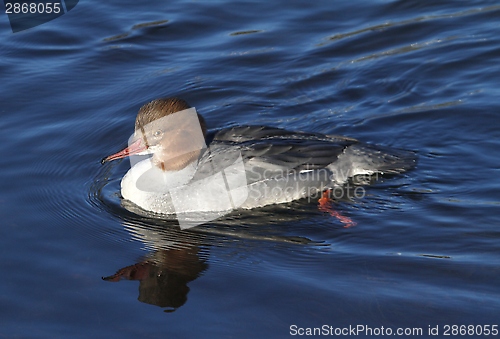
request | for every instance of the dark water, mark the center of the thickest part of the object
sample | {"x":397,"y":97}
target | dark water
{"x":416,"y":75}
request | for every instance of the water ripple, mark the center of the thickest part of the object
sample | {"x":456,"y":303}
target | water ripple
{"x":386,"y":25}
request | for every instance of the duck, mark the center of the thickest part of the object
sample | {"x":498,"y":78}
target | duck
{"x":179,"y":167}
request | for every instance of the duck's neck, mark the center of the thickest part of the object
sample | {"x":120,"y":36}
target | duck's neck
{"x":176,"y":164}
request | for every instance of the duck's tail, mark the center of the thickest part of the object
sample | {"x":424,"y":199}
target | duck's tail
{"x":366,"y":159}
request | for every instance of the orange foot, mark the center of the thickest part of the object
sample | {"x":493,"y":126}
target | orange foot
{"x":325,"y":205}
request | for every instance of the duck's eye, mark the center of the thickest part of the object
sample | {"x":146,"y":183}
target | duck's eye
{"x":158,"y":133}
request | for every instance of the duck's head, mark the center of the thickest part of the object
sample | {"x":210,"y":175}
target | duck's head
{"x":169,"y":129}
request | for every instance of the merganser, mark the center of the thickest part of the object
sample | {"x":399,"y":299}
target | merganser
{"x":271,"y":165}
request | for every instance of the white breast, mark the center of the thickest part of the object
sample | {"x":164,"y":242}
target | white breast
{"x":148,"y":187}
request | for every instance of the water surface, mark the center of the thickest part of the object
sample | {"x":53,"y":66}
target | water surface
{"x":413,"y":75}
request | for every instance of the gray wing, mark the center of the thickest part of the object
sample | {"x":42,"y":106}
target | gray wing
{"x":269,"y":152}
{"x":295,"y":151}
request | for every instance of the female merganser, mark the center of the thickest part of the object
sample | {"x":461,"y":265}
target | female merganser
{"x":242,"y":167}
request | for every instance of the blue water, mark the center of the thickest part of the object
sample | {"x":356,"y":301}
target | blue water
{"x":415,"y":75}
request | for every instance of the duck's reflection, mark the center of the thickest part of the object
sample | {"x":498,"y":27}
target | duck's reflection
{"x":177,"y":257}
{"x":164,"y":276}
